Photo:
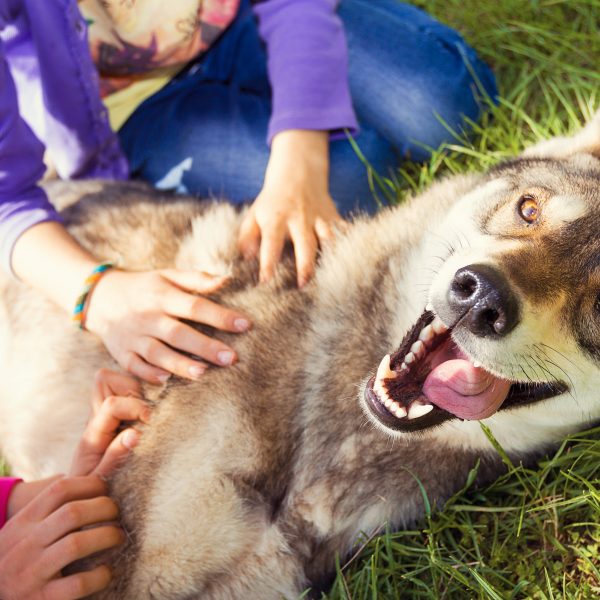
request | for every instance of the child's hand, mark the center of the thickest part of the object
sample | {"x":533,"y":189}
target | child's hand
{"x":139,"y":317}
{"x":102,"y":447}
{"x":45,"y":536}
{"x":294,"y":204}
{"x":43,"y":532}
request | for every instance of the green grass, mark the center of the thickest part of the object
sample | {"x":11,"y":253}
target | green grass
{"x":534,"y":533}
{"x":546,"y":56}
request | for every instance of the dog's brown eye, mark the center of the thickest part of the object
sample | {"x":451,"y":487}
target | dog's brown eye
{"x":529,"y":209}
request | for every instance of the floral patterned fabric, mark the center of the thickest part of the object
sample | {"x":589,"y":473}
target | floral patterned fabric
{"x":133,"y":39}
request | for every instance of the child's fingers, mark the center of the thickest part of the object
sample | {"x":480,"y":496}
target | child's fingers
{"x":112,"y":383}
{"x":199,"y":282}
{"x":75,"y":515}
{"x":136,"y":365}
{"x":117,"y":451}
{"x":305,"y":248}
{"x":271,"y":247}
{"x":79,"y":585}
{"x":102,"y":427}
{"x":60,"y":492}
{"x":79,"y":545}
{"x":249,"y":237}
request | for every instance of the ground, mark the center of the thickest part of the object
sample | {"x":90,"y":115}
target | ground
{"x":534,"y":533}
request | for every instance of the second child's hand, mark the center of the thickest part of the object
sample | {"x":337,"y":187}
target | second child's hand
{"x":293,"y":204}
{"x":54,"y":522}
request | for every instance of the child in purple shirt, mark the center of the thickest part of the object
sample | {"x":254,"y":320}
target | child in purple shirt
{"x":44,"y":525}
{"x":260,"y":116}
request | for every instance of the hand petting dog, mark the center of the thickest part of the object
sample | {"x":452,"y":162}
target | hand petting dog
{"x":294,"y":204}
{"x":46,"y":519}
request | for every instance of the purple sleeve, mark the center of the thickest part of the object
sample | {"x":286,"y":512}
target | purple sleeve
{"x":6,"y":486}
{"x":307,"y":64}
{"x":22,"y":202}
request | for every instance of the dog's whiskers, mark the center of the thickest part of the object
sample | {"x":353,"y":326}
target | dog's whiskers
{"x":546,"y":360}
{"x":560,"y":354}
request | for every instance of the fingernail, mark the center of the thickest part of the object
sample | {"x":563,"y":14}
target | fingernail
{"x":225,"y":357}
{"x":196,"y":371}
{"x":164,"y":378}
{"x":131,"y":438}
{"x":241,"y":324}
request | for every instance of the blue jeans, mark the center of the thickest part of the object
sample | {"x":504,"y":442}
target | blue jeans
{"x":205,"y":132}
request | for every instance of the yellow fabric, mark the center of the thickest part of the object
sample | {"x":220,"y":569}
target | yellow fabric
{"x":121,"y":104}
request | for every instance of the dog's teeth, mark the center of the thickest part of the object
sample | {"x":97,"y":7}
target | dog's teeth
{"x":427,"y":334}
{"x":397,"y":410}
{"x":409,"y":358}
{"x":418,"y":409}
{"x":382,"y":394}
{"x":438,"y":326}
{"x":429,"y":307}
{"x":477,"y":364}
{"x":403,"y":367}
{"x":418,"y":348}
{"x":400,"y":412}
{"x":384,"y":371}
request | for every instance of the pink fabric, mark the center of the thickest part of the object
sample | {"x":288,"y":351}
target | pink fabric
{"x":6,"y":486}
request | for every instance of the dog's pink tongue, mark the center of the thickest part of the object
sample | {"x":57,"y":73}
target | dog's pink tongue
{"x":465,"y":390}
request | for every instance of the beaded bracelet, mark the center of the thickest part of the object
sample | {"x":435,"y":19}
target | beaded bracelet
{"x":89,"y":284}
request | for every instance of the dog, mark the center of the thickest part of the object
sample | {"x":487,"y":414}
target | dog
{"x":476,"y":302}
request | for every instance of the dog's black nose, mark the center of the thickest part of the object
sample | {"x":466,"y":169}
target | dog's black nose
{"x":484,"y":301}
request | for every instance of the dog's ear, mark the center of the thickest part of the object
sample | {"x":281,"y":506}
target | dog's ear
{"x":586,"y":141}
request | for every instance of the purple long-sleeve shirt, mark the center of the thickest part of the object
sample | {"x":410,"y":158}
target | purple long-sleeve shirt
{"x":49,"y":96}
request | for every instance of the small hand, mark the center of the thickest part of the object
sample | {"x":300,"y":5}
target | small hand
{"x":294,"y":204}
{"x":46,"y":535}
{"x":138,"y":317}
{"x":116,"y":398}
{"x":43,"y":532}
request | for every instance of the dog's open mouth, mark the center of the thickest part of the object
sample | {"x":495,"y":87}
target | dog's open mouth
{"x":429,"y":380}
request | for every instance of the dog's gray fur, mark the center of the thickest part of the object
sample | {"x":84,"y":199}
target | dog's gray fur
{"x":248,"y":482}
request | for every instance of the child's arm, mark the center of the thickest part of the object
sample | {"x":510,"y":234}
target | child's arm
{"x":43,"y":532}
{"x":308,"y":72}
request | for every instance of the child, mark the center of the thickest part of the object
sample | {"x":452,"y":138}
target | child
{"x":45,"y":525}
{"x":195,"y":89}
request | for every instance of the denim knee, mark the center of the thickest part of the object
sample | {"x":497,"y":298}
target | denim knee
{"x":411,"y":77}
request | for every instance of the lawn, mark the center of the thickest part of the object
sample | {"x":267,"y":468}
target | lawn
{"x":534,"y":533}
